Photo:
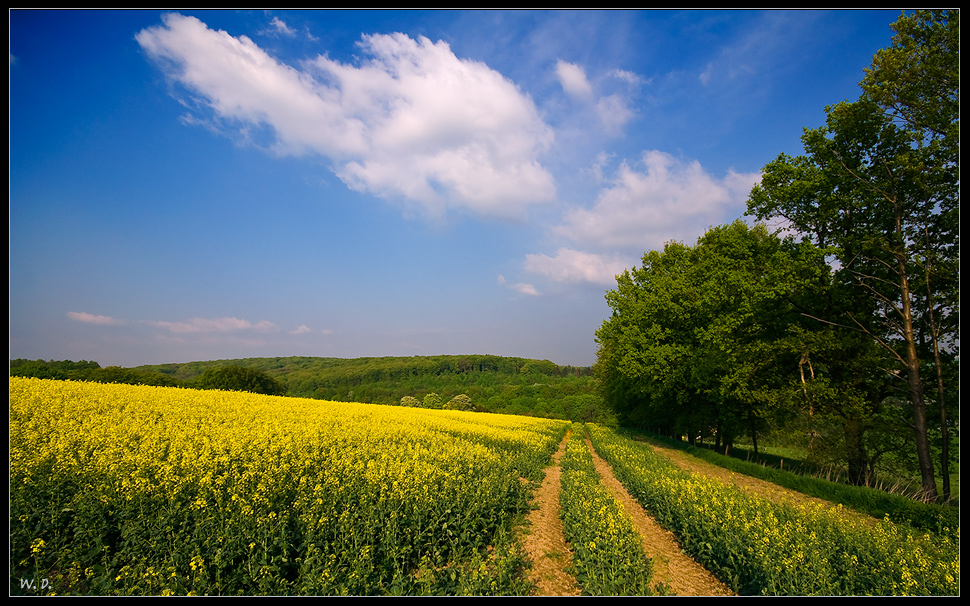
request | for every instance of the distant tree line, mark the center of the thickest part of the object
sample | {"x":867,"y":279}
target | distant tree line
{"x":498,"y":384}
{"x":228,"y":378}
{"x":85,"y":370}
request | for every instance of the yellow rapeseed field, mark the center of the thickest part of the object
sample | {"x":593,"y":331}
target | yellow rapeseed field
{"x":760,"y":547}
{"x":137,"y":490}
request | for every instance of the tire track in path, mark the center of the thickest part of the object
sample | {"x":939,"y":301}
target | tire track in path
{"x":682,"y":575}
{"x":545,"y":543}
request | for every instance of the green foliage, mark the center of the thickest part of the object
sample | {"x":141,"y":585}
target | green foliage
{"x":433,"y":401}
{"x":700,"y":340}
{"x":84,"y":370}
{"x":239,"y":378}
{"x":37,"y":369}
{"x":410,"y":401}
{"x":745,"y":333}
{"x":496,"y":384}
{"x":879,"y":186}
{"x":459,"y":402}
{"x":19,"y":367}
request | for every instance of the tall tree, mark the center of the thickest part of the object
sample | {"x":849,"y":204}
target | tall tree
{"x":698,"y":338}
{"x":879,"y":184}
{"x":644,"y":347}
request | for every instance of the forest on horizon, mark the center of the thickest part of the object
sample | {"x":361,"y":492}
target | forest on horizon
{"x":497,"y":384}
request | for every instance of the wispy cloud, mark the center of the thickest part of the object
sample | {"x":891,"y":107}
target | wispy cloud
{"x":775,"y":42}
{"x":86,"y":318}
{"x":218,"y":325}
{"x":413,"y":122}
{"x":281,"y":27}
{"x":525,"y":289}
{"x":614,"y":112}
{"x":577,"y":266}
{"x":660,"y":199}
{"x":629,"y":77}
{"x":521,"y":287}
{"x":640,"y":208}
{"x":572,"y":77}
{"x":612,"y":109}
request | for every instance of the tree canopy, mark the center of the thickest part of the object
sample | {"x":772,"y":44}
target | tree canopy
{"x":878,"y":186}
{"x":240,"y":378}
{"x":702,"y":339}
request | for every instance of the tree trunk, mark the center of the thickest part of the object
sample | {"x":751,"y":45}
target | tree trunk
{"x":934,"y":337}
{"x":915,"y":388}
{"x":728,"y":443}
{"x":855,"y":453}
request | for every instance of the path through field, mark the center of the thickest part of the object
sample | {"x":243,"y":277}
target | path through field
{"x":682,"y":575}
{"x":545,"y":544}
{"x":550,"y":554}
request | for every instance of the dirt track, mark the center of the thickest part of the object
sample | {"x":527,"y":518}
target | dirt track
{"x":683,"y":576}
{"x":545,"y":544}
{"x":550,"y":554}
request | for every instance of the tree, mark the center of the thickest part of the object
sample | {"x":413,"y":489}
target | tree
{"x":641,"y":360}
{"x":879,"y":185}
{"x":239,"y":378}
{"x":410,"y":401}
{"x":459,"y":402}
{"x":36,"y":368}
{"x":433,"y":400}
{"x":699,"y":340}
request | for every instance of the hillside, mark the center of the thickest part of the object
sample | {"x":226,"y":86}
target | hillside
{"x":500,"y":384}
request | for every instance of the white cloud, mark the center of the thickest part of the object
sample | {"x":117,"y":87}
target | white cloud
{"x":281,"y":27}
{"x":640,"y":209}
{"x":525,"y":289}
{"x":612,"y":110}
{"x":520,"y":287}
{"x":602,"y":159}
{"x":214,"y":325}
{"x":414,"y":121}
{"x":577,"y":266}
{"x":86,"y":318}
{"x":629,"y":77}
{"x":572,"y":77}
{"x":614,"y":113}
{"x":666,"y":199}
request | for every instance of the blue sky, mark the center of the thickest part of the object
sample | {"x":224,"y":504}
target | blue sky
{"x":202,"y":185}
